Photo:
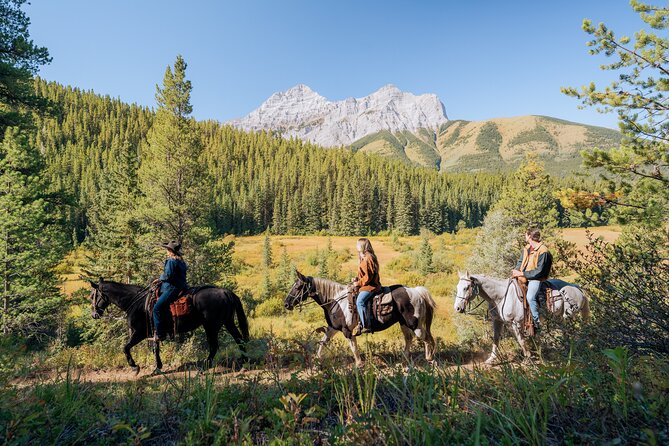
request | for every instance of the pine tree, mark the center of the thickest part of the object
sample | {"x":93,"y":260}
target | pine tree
{"x":286,"y":272}
{"x":267,"y":252}
{"x":172,"y":177}
{"x":175,"y":182}
{"x":115,"y":230}
{"x":425,"y":265}
{"x":31,"y":240}
{"x":528,"y":197}
{"x":19,"y":61}
{"x":637,"y":171}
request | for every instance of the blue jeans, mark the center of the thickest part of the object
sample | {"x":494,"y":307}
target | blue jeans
{"x":361,"y":303}
{"x":162,"y":306}
{"x":532,"y":294}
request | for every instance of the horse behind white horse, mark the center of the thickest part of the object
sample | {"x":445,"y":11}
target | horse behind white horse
{"x":507,"y":308}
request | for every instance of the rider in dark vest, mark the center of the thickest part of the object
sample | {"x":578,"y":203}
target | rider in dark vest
{"x":172,"y":281}
{"x":367,"y":281}
{"x":534,"y":265}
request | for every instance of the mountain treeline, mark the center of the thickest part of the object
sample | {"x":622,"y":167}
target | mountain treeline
{"x":259,"y":180}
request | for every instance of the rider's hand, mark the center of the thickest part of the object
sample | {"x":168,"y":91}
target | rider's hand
{"x":516,"y":273}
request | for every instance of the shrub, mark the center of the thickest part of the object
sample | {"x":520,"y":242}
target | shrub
{"x":629,"y":283}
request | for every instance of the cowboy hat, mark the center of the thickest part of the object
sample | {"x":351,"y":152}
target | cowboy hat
{"x":173,"y":246}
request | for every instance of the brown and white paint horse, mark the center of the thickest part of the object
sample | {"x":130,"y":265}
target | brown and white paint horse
{"x":413,"y":309}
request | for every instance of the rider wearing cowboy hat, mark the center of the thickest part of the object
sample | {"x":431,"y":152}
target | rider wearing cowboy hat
{"x":172,"y":281}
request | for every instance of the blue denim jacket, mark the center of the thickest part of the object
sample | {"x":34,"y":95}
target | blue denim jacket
{"x":174,"y":276}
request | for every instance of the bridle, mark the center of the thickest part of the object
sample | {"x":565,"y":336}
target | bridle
{"x":98,"y":298}
{"x":299,"y":301}
{"x":474,"y":290}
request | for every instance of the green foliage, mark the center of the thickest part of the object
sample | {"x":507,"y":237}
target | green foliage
{"x":293,"y":187}
{"x":286,"y":272}
{"x":497,"y":247}
{"x":638,"y":170}
{"x":489,"y":139}
{"x":267,"y":251}
{"x":425,"y":263}
{"x":550,"y":402}
{"x":628,"y":282}
{"x":537,"y":134}
{"x":20,"y":59}
{"x":31,"y":240}
{"x":115,"y":247}
{"x":528,"y":197}
{"x":172,"y":178}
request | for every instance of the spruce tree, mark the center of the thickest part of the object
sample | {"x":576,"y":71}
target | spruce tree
{"x":31,"y":240}
{"x":115,"y":230}
{"x":425,"y":263}
{"x":175,"y":181}
{"x":286,"y":274}
{"x":20,"y":59}
{"x":267,"y":252}
{"x":172,"y":177}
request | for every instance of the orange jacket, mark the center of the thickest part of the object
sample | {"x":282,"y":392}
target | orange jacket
{"x":368,"y":274}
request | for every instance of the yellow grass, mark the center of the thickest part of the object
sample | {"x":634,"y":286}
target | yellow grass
{"x":455,"y":248}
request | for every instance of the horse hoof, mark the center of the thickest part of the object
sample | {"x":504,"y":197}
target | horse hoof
{"x":492,"y":361}
{"x":136,"y":370}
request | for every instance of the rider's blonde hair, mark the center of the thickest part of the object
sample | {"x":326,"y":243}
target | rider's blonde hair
{"x":365,"y":247}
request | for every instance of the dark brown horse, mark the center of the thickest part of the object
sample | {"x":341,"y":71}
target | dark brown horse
{"x":413,"y":309}
{"x":212,"y":308}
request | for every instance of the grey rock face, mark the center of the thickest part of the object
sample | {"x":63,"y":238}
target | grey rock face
{"x":303,"y":113}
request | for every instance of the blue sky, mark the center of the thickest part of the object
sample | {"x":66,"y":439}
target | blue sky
{"x":483,"y":58}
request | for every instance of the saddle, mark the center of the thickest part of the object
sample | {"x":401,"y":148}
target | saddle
{"x":521,"y":291}
{"x":180,"y":308}
{"x":380,"y":306}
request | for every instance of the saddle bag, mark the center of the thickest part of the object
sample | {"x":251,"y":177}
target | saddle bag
{"x":182,"y":306}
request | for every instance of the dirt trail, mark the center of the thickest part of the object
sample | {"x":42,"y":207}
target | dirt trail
{"x":125,"y":374}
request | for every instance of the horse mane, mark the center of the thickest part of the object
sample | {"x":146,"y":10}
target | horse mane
{"x":328,"y":288}
{"x":121,"y":285}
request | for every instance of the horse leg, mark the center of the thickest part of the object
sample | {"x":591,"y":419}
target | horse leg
{"x":430,"y":346}
{"x":497,"y":327}
{"x":408,"y":337}
{"x":159,"y":362}
{"x":236,"y":334}
{"x":521,"y":341}
{"x":356,"y":353}
{"x":135,"y":338}
{"x":212,"y":340}
{"x":329,"y":332}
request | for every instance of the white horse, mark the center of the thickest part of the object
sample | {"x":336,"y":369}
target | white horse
{"x":507,"y":308}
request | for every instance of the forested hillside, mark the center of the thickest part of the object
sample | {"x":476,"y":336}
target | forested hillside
{"x":260,"y":180}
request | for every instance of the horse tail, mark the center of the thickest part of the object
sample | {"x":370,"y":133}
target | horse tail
{"x":241,"y":317}
{"x":430,"y":305}
{"x":585,"y":309}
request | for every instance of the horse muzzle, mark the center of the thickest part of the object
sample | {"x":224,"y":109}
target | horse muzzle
{"x":288,"y":306}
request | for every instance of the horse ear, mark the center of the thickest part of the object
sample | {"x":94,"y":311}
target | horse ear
{"x":300,"y":276}
{"x":93,"y":284}
{"x":101,"y":280}
{"x":460,"y":275}
{"x":467,"y":274}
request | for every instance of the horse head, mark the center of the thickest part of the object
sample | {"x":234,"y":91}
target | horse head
{"x":466,"y":289}
{"x":302,"y":288}
{"x":99,"y":301}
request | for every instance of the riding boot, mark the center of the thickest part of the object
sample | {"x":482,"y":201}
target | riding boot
{"x":358,"y":330}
